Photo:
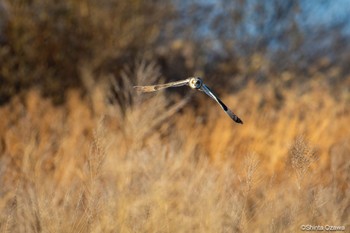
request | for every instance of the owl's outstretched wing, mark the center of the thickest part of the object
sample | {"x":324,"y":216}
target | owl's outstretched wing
{"x":158,"y":87}
{"x":222,"y":105}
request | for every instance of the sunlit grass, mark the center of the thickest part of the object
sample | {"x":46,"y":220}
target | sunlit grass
{"x":153,"y":168}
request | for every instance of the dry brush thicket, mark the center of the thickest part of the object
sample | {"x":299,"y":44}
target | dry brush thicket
{"x":161,"y":165}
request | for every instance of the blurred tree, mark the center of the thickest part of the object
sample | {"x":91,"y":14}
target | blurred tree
{"x":45,"y":42}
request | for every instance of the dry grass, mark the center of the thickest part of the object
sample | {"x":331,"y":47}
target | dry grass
{"x":158,"y":166}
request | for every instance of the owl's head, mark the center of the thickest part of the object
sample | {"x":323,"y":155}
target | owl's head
{"x":195,"y":82}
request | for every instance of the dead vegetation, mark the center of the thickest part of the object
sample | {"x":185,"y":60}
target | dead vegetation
{"x":80,"y":151}
{"x":64,"y":169}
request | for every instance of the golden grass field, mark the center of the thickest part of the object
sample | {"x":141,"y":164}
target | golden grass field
{"x":162,"y":164}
